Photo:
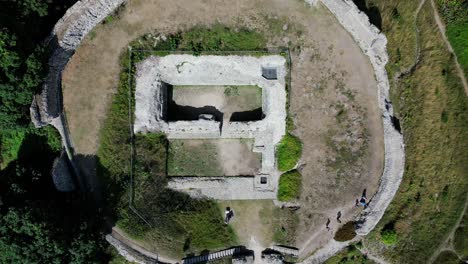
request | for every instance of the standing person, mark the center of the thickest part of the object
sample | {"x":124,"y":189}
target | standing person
{"x":328,"y":224}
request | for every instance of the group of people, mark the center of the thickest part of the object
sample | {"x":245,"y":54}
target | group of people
{"x":359,"y":202}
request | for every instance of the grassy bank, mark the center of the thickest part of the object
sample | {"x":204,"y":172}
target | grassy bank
{"x":288,"y":152}
{"x":455,"y":16}
{"x":290,"y":185}
{"x":351,"y":255}
{"x":432,"y":107}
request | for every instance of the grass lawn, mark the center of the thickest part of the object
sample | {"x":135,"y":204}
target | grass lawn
{"x":288,"y":152}
{"x":218,"y":157}
{"x":262,"y":220}
{"x":460,"y":241}
{"x":350,"y":255}
{"x":290,"y":184}
{"x":455,"y":16}
{"x":193,"y":158}
{"x":448,"y":257}
{"x":432,"y":107}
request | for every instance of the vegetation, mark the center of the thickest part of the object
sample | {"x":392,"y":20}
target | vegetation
{"x":290,"y":184}
{"x":193,"y":158}
{"x":346,"y":232}
{"x":432,"y":107}
{"x":38,"y":224}
{"x":448,"y":257}
{"x":460,"y":238}
{"x":350,"y":255}
{"x":288,"y":152}
{"x":455,"y":15}
{"x":201,"y":39}
{"x":389,"y":235}
{"x":285,"y":223}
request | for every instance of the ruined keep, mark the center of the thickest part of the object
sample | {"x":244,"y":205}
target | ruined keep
{"x":155,"y":74}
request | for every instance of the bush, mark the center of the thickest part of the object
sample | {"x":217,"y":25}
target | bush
{"x":288,"y":152}
{"x":290,"y":184}
{"x":346,"y":232}
{"x":388,"y":234}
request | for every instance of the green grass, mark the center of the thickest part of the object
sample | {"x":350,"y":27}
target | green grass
{"x":455,"y":16}
{"x":432,"y":107}
{"x":11,"y":141}
{"x":285,"y":222}
{"x":250,"y":95}
{"x":448,"y":257}
{"x":288,"y":152}
{"x":193,"y":158}
{"x":460,"y":241}
{"x":389,"y":235}
{"x":202,"y":39}
{"x":350,"y":255}
{"x":10,"y":144}
{"x":289,"y":187}
{"x":457,"y":34}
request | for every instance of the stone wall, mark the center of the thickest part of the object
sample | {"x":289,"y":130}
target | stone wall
{"x":66,"y":36}
{"x":373,"y":44}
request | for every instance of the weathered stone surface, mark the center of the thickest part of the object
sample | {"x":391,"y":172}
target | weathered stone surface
{"x":62,"y":175}
{"x":78,"y":21}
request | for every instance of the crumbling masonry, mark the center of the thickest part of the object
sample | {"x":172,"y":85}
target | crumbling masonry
{"x":156,"y":73}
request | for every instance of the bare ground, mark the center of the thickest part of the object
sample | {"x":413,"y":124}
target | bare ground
{"x":333,"y":96}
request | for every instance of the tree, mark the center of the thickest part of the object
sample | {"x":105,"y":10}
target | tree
{"x":20,"y":79}
{"x":15,"y":226}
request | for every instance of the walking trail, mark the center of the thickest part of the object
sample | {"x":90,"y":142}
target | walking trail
{"x":447,"y":242}
{"x":397,"y":76}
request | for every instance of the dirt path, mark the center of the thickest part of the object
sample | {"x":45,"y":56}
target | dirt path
{"x":441,"y":27}
{"x":447,"y":242}
{"x":398,"y":75}
{"x":123,"y":238}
